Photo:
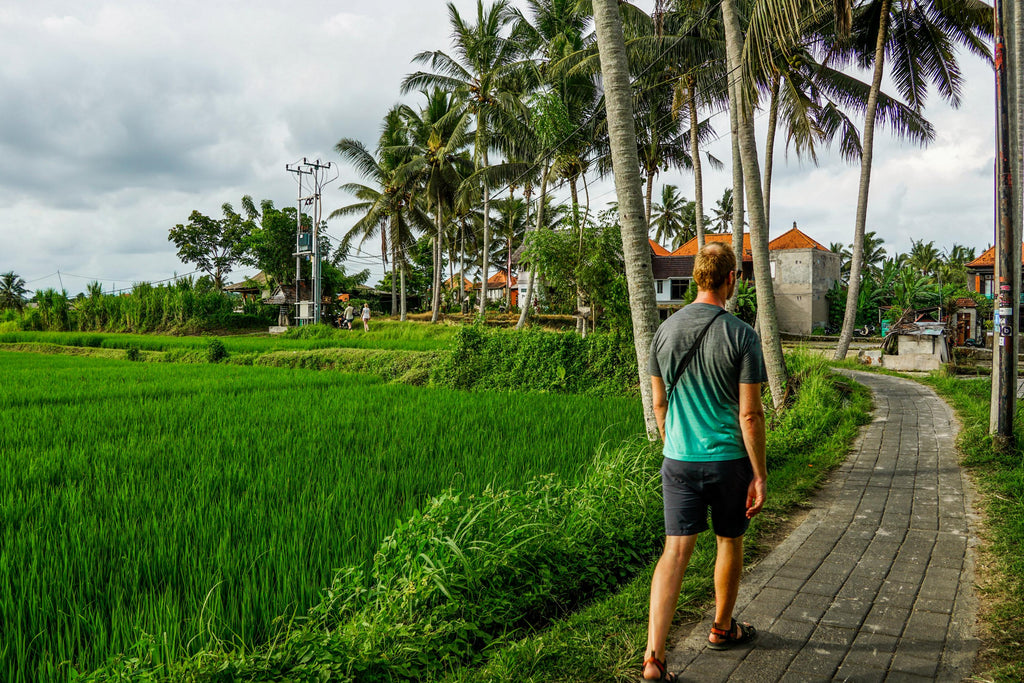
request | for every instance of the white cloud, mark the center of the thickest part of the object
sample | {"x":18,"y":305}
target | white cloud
{"x":121,"y":117}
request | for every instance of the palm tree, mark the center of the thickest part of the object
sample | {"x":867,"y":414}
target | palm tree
{"x":667,"y":218}
{"x":622,"y":139}
{"x":386,"y":207}
{"x":723,"y":211}
{"x":437,"y":164}
{"x":874,"y":253}
{"x":777,"y":20}
{"x":843,"y":252}
{"x":12,"y":291}
{"x":924,"y":257}
{"x":922,"y":43}
{"x":954,"y":264}
{"x":486,"y":59}
{"x":509,"y":230}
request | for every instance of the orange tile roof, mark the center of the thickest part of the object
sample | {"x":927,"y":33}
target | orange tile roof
{"x":450,"y":282}
{"x":498,"y":279}
{"x":690,"y":248}
{"x":989,"y":258}
{"x":794,"y":239}
{"x":657,"y":248}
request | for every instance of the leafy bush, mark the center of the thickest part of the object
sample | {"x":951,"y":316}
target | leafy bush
{"x":133,"y":353}
{"x":215,"y":351}
{"x":535,"y":360}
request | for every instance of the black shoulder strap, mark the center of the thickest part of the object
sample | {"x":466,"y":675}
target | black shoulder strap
{"x":693,"y":350}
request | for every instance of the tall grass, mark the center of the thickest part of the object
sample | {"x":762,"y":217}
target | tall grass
{"x":382,"y":335}
{"x":1000,"y":479}
{"x":198,"y":503}
{"x":185,"y":305}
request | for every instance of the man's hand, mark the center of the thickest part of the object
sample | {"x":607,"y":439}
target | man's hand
{"x":755,"y":497}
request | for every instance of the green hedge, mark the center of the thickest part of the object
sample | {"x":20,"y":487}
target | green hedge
{"x":536,"y":360}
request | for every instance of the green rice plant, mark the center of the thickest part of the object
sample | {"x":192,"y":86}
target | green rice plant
{"x":516,"y":585}
{"x":190,"y":506}
{"x":384,"y":335}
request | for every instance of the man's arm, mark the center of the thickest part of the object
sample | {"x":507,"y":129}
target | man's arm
{"x":660,"y":400}
{"x":752,"y":427}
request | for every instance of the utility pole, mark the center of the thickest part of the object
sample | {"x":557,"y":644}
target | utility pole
{"x":300,"y":252}
{"x":320,"y":174}
{"x":1008,"y":241}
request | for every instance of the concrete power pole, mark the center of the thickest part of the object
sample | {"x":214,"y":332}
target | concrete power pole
{"x":320,"y":174}
{"x":1008,"y":219}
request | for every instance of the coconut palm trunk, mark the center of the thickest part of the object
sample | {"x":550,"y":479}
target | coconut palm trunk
{"x":857,"y":258}
{"x":404,"y":309}
{"x":767,"y":315}
{"x":648,"y":198}
{"x":462,"y":266}
{"x":486,"y":250}
{"x":435,"y":299}
{"x":735,"y":112}
{"x":698,"y":177}
{"x":394,"y":268}
{"x":769,"y":148}
{"x":626,"y":166}
{"x":524,"y":310}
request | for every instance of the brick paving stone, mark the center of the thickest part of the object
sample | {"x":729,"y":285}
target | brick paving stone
{"x":876,"y":583}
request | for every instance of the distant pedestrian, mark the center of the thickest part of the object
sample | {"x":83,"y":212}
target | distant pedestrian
{"x":707,"y":401}
{"x":366,"y":317}
{"x":350,"y":315}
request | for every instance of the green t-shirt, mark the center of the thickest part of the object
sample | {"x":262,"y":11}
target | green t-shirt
{"x":703,"y":422}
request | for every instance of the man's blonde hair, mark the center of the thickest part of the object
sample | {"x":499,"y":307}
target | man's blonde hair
{"x":713,"y":264}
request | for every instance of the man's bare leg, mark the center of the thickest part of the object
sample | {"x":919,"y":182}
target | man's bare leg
{"x":668,"y":577}
{"x":728,"y":567}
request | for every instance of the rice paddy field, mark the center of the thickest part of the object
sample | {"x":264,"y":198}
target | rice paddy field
{"x":383,"y":334}
{"x":194,"y":503}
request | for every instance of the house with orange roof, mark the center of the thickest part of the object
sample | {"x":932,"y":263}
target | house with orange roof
{"x":453,"y":283}
{"x":499,"y":286}
{"x":802,"y":271}
{"x":980,"y":272}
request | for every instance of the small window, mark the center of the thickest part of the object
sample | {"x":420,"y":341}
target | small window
{"x":679,"y":289}
{"x":661,"y":286}
{"x":772,"y":265}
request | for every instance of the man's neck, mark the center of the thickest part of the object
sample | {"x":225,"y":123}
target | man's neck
{"x":712,"y":297}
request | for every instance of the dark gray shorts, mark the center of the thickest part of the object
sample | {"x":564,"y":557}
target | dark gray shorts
{"x":690,"y":488}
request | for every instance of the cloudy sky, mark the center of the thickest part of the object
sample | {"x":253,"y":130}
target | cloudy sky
{"x":121,"y":117}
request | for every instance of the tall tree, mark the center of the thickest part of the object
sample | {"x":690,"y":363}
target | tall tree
{"x":921,"y":36}
{"x":486,"y":59}
{"x":771,"y":22}
{"x":437,"y":165}
{"x":635,"y":247}
{"x":213,"y":245}
{"x":386,"y":208}
{"x":668,"y":218}
{"x":12,"y":291}
{"x":509,"y":230}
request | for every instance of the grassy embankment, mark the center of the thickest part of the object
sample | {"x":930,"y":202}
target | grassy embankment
{"x":1000,"y":480}
{"x":198,"y":503}
{"x":545,"y":583}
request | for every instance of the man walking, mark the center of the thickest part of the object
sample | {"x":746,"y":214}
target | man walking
{"x":350,"y":315}
{"x":706,"y":372}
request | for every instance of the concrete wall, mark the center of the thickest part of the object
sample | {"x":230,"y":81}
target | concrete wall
{"x":801,"y":278}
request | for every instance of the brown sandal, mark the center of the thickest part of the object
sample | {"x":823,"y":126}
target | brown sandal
{"x":736,"y":636}
{"x":663,"y":673}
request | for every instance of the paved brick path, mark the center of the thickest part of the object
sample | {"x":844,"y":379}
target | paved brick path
{"x":877,"y":583}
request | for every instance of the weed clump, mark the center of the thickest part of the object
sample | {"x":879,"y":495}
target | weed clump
{"x":215,"y":351}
